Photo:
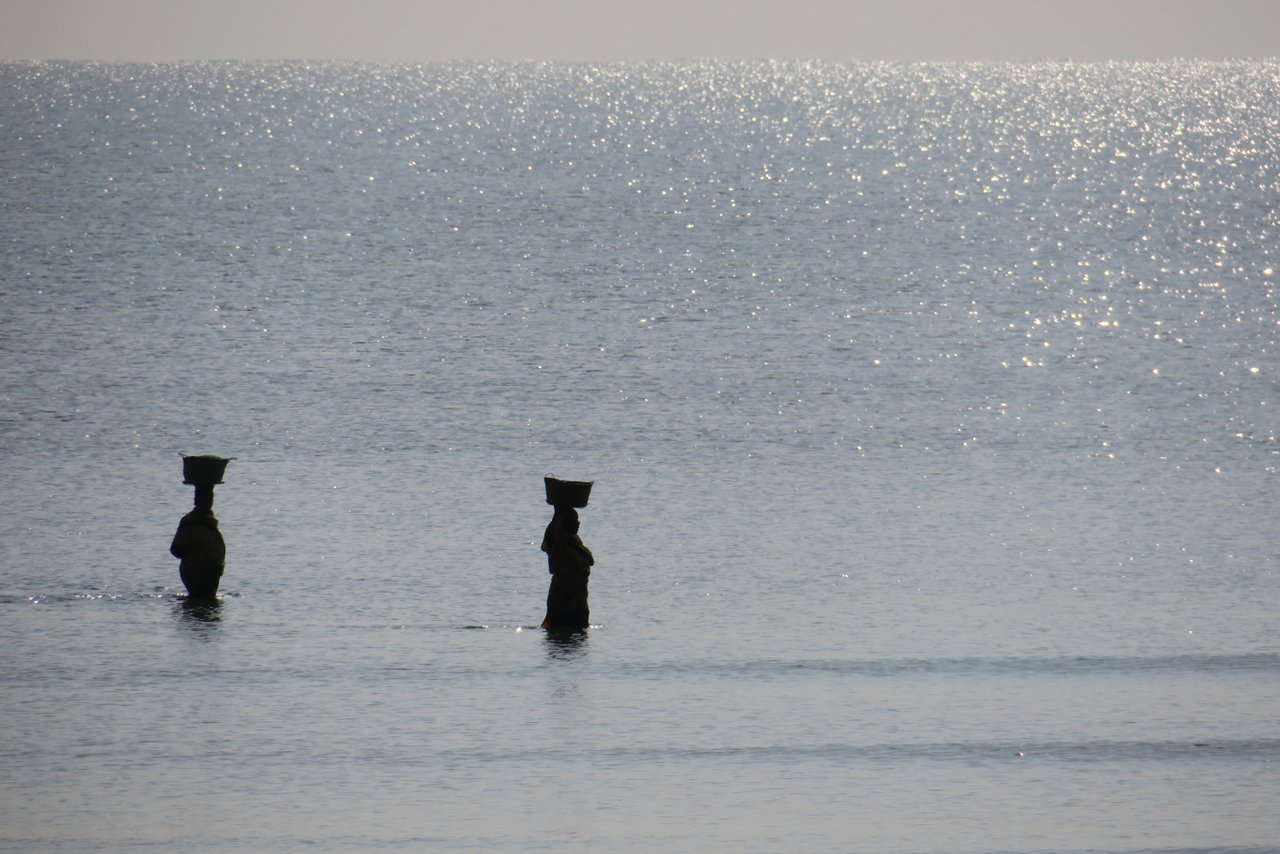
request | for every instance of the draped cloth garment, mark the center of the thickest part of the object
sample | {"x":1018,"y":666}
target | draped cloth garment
{"x":198,"y":544}
{"x":569,"y":562}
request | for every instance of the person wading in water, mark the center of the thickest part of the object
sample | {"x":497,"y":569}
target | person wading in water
{"x":198,"y":544}
{"x":569,"y":562}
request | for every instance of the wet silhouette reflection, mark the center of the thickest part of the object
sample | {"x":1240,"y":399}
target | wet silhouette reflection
{"x":199,"y":615}
{"x":565,"y":644}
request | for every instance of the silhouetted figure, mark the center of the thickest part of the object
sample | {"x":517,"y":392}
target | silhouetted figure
{"x":198,"y":544}
{"x":569,"y":562}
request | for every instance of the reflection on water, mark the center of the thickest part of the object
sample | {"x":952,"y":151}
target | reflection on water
{"x":199,"y":614}
{"x":565,"y":643}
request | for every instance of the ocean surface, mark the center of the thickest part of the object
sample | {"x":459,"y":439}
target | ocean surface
{"x":932,"y":412}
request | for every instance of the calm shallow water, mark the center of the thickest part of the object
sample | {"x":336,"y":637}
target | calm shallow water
{"x":931,"y":411}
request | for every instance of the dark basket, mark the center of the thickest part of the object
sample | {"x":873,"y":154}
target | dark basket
{"x":204,"y":471}
{"x":568,"y":493}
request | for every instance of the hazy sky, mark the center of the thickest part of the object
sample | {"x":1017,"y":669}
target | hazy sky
{"x":431,"y":30}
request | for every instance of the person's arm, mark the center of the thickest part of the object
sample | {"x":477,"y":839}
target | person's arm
{"x":178,"y":548}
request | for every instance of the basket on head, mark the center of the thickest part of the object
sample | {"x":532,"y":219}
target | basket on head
{"x":203,"y":470}
{"x":567,"y":493}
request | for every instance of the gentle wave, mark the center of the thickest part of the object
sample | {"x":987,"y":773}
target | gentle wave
{"x":986,"y":751}
{"x":1055,"y":665}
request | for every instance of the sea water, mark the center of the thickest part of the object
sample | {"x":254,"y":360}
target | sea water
{"x":931,"y":410}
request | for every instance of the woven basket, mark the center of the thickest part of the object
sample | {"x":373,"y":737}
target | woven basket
{"x":204,"y":470}
{"x":567,"y":493}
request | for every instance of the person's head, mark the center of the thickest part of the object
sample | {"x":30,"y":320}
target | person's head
{"x":567,"y":519}
{"x":204,"y":498}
